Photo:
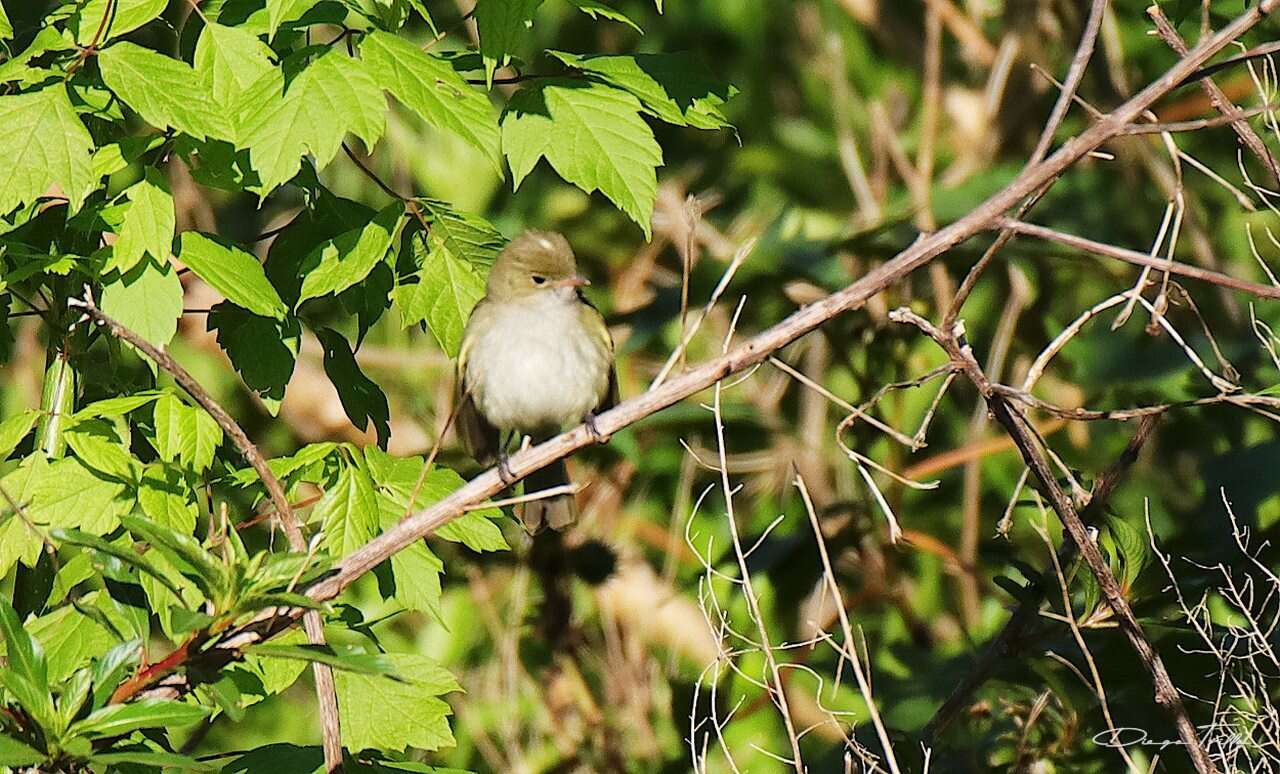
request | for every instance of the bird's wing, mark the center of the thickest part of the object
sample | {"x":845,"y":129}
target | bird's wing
{"x":594,"y":321}
{"x":479,"y":438}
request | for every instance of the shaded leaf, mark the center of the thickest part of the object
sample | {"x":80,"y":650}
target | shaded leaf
{"x":361,"y":398}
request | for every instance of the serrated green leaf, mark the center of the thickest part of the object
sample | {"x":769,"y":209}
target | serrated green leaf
{"x":382,"y":713}
{"x":263,"y":350}
{"x":148,"y":224}
{"x":345,"y":260}
{"x":348,"y":511}
{"x":165,"y":498}
{"x":598,"y":10}
{"x":12,"y":752}
{"x":592,"y":135}
{"x":147,"y":300}
{"x":116,"y":407}
{"x":677,"y":88}
{"x":185,"y":434}
{"x":119,"y":719}
{"x":429,"y":86}
{"x":45,"y":148}
{"x":165,"y":91}
{"x":503,"y":26}
{"x":400,"y":479}
{"x":70,"y":638}
{"x":362,"y":399}
{"x":14,"y":429}
{"x":232,"y":272}
{"x":97,"y":444}
{"x":450,"y":283}
{"x":416,"y":572}
{"x":239,"y":72}
{"x":66,"y":493}
{"x":335,"y":95}
{"x":126,"y":15}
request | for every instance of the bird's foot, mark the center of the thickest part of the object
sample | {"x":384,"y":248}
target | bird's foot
{"x":504,"y":470}
{"x":596,"y":436}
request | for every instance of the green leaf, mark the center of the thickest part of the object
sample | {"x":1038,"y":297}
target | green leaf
{"x":359,"y":663}
{"x":597,"y":10}
{"x":401,"y":479}
{"x":234,"y":273}
{"x":237,"y":69}
{"x":503,"y":26}
{"x":382,"y":713}
{"x":348,"y":511}
{"x":153,"y":759}
{"x":677,"y":88}
{"x":117,"y":551}
{"x":453,"y":265}
{"x":335,"y":95}
{"x":13,"y":753}
{"x":1133,"y":548}
{"x":110,"y":670}
{"x":126,"y":16}
{"x":212,"y":576}
{"x":14,"y":429}
{"x":429,"y":86}
{"x":592,"y":135}
{"x":147,"y":301}
{"x":416,"y":572}
{"x":45,"y":149}
{"x":263,"y":350}
{"x":66,"y":493}
{"x":163,"y":90}
{"x":341,"y":262}
{"x":279,"y":11}
{"x":6,"y":32}
{"x":23,"y":653}
{"x":185,"y":433}
{"x":361,"y":397}
{"x":119,"y":719}
{"x":98,"y":444}
{"x":165,"y":498}
{"x":70,"y":638}
{"x":148,"y":224}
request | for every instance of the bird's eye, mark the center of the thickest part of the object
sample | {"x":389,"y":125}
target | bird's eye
{"x":538,"y":280}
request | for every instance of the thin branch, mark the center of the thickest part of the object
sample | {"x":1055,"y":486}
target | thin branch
{"x":1017,"y":426}
{"x":1136,"y":258}
{"x":1217,"y":97}
{"x":325,"y":689}
{"x":1202,"y":123}
{"x":1005,"y":643}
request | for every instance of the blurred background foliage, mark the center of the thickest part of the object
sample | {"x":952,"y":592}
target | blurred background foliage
{"x":819,"y":83}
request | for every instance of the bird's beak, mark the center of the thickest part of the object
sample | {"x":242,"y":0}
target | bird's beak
{"x":572,"y":282}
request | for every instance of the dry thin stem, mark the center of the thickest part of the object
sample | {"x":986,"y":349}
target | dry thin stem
{"x":1137,"y":258}
{"x":850,"y":649}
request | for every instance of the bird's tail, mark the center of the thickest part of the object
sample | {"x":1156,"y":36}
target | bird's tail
{"x":556,"y":512}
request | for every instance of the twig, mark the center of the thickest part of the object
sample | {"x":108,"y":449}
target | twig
{"x":1027,"y":612}
{"x":325,"y":690}
{"x":1136,"y":258}
{"x":1016,"y":424}
{"x":1201,"y":123}
{"x":746,"y":354}
{"x":1084,"y":52}
{"x":1217,"y":97}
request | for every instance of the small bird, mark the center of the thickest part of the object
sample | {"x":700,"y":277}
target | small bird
{"x":536,"y":358}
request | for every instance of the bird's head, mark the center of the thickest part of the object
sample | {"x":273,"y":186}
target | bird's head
{"x":534,"y":262}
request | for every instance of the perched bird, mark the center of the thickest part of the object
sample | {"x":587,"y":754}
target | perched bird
{"x":536,"y":358}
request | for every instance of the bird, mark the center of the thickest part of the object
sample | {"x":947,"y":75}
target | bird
{"x":536,"y":358}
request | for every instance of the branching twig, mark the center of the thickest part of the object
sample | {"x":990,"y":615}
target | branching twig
{"x":1016,"y":424}
{"x":325,"y":690}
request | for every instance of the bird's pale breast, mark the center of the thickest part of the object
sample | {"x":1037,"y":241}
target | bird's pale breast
{"x":537,"y":367}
